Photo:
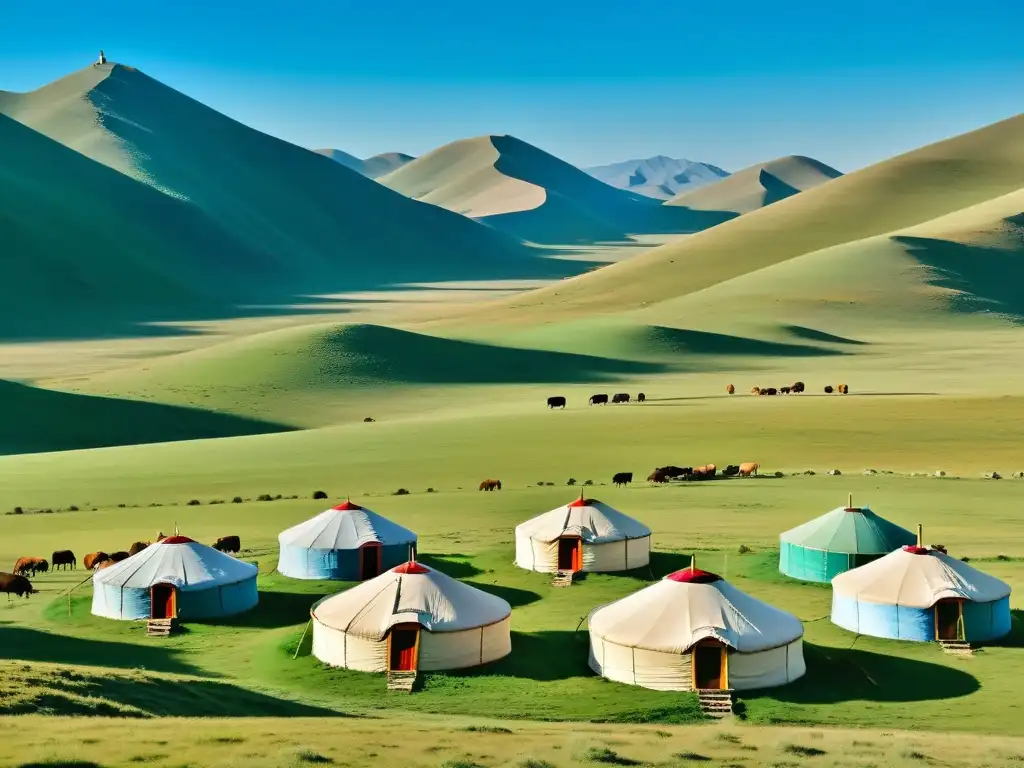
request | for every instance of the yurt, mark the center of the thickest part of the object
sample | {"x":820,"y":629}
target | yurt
{"x":583,"y":535}
{"x":411,"y":618}
{"x":347,"y":542}
{"x":175,"y":578}
{"x":921,"y":593}
{"x":694,"y":631}
{"x":845,"y":538}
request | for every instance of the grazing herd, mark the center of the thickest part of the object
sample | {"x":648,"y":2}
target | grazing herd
{"x":18,"y":583}
{"x":706,"y":472}
{"x":558,"y":401}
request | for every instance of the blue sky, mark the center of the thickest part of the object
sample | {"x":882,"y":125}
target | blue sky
{"x":731,"y":83}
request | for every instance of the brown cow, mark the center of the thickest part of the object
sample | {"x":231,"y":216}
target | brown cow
{"x":842,"y":389}
{"x":749,"y":468}
{"x":228,"y":544}
{"x":704,"y":473}
{"x":94,"y":559}
{"x":490,"y":485}
{"x":117,"y":557}
{"x":64,"y":558}
{"x":754,"y":391}
{"x":730,"y":389}
{"x":27,"y":565}
{"x":137,"y":547}
{"x":106,"y":564}
{"x":14,"y":584}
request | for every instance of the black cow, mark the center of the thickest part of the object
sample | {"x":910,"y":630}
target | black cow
{"x":731,"y":470}
{"x":622,"y":397}
{"x":15,"y":585}
{"x":641,"y":397}
{"x":556,"y":402}
{"x":63,"y":558}
{"x":622,"y":478}
{"x":228,"y":544}
{"x":599,"y":399}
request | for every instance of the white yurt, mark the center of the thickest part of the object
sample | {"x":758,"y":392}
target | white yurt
{"x":583,"y":535}
{"x":694,"y":631}
{"x":175,"y":578}
{"x":411,"y":618}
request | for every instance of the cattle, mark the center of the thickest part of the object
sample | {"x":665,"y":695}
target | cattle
{"x":621,"y":397}
{"x":657,"y":476}
{"x":732,"y":469}
{"x":13,"y":584}
{"x":704,"y":473}
{"x":64,"y":558}
{"x":749,"y":468}
{"x":828,"y":390}
{"x":730,"y":389}
{"x":117,"y":557}
{"x":754,"y":390}
{"x":106,"y":564}
{"x":842,"y":389}
{"x":490,"y":485}
{"x":94,"y":559}
{"x":671,"y":472}
{"x":641,"y":397}
{"x":784,"y":390}
{"x":228,"y":544}
{"x":769,"y":391}
{"x":556,"y":402}
{"x":137,"y":547}
{"x":622,"y":478}
{"x":599,"y":399}
{"x":33,"y":565}
{"x":797,"y":387}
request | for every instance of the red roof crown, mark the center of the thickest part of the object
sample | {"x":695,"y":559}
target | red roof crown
{"x":581,"y":502}
{"x":916,"y":550}
{"x":177,"y":540}
{"x":346,"y":505}
{"x":694,"y":576}
{"x":411,"y":567}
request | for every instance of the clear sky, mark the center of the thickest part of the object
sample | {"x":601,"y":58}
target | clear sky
{"x":849,"y":82}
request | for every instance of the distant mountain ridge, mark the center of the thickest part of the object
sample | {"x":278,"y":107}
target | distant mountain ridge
{"x":371,"y":167}
{"x":659,"y":177}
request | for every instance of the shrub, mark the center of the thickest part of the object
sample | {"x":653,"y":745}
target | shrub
{"x":693,"y":757}
{"x":278,"y":497}
{"x":264,"y":497}
{"x":802,"y":751}
{"x":319,"y":494}
{"x":194,"y":502}
{"x":72,"y":508}
{"x":309,"y":756}
{"x":431,"y":490}
{"x":401,"y":492}
{"x":236,"y":500}
{"x":19,"y":511}
{"x":540,"y":483}
{"x":607,"y":756}
{"x":125,"y":506}
{"x":487,"y":729}
{"x":588,"y":482}
{"x":216,"y":501}
{"x":532,"y":762}
{"x":744,"y":549}
{"x":551,"y":484}
{"x":965,"y":559}
{"x":571,"y":481}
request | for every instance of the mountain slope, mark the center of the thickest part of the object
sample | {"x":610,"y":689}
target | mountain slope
{"x":522,"y":190}
{"x":758,"y":186}
{"x":334,"y":227}
{"x":371,"y":167}
{"x":658,"y":177}
{"x":349,"y":161}
{"x":896,"y":194}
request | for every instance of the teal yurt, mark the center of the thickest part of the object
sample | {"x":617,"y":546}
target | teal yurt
{"x":845,"y":538}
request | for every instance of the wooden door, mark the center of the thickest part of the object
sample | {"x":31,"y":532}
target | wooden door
{"x":403,"y":645}
{"x":570,"y":555}
{"x":369,"y":561}
{"x":947,"y":619}
{"x":162,"y":603}
{"x":709,"y":666}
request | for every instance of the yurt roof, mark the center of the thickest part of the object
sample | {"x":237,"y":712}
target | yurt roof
{"x":410,"y":593}
{"x":177,"y":560}
{"x":918,"y":577}
{"x":346,"y":526}
{"x":589,"y":519}
{"x":856,"y":530}
{"x":686,"y":607}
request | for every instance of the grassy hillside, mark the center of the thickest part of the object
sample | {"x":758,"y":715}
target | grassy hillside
{"x":525,"y":191}
{"x":333,"y":227}
{"x":907,"y":190}
{"x":758,"y":186}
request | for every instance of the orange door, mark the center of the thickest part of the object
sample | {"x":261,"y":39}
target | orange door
{"x":570,"y":554}
{"x":947,"y":620}
{"x":369,"y":561}
{"x":707,"y":666}
{"x":403,"y":646}
{"x":161,"y":602}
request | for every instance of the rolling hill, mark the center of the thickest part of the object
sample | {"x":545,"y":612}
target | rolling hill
{"x":658,"y":177}
{"x":921,"y":186}
{"x":526,"y":192}
{"x":758,"y":186}
{"x":371,"y":167}
{"x":330,"y":227}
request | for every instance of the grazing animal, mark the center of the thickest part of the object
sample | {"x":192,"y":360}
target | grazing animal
{"x":641,"y":397}
{"x":106,"y":564}
{"x":704,"y":473}
{"x":228,"y":544}
{"x":64,"y":558}
{"x":730,"y":389}
{"x":749,"y":468}
{"x":770,"y":391}
{"x":137,"y":547}
{"x":657,"y":476}
{"x":599,"y":399}
{"x":828,"y":389}
{"x":33,"y":565}
{"x":732,"y":469}
{"x":797,"y":387}
{"x":843,"y":389}
{"x":490,"y":485}
{"x":754,"y":390}
{"x":556,"y":402}
{"x":622,"y":397}
{"x":117,"y":557}
{"x":622,"y":478}
{"x":13,"y":584}
{"x":784,"y":390}
{"x":94,"y":559}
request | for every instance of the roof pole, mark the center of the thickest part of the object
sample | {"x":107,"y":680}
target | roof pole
{"x":849,"y":501}
{"x":920,"y":536}
{"x":693,"y":560}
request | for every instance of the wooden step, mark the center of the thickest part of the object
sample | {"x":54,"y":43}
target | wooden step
{"x":161,"y":627}
{"x":715,"y":703}
{"x":401,"y":681}
{"x":957,"y":647}
{"x":562,"y":579}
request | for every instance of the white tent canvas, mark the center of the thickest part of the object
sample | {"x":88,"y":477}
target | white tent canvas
{"x":346,"y":526}
{"x":651,"y":637}
{"x":584,"y":535}
{"x":455,"y":625}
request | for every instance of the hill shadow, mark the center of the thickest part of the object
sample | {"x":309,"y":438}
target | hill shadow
{"x":846,"y":674}
{"x":275,"y":609}
{"x":812,"y":334}
{"x":540,"y":656}
{"x":23,"y":644}
{"x":687,"y":341}
{"x":511,"y":595}
{"x":1015,"y":639}
{"x":38,"y":420}
{"x":446,"y":564}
